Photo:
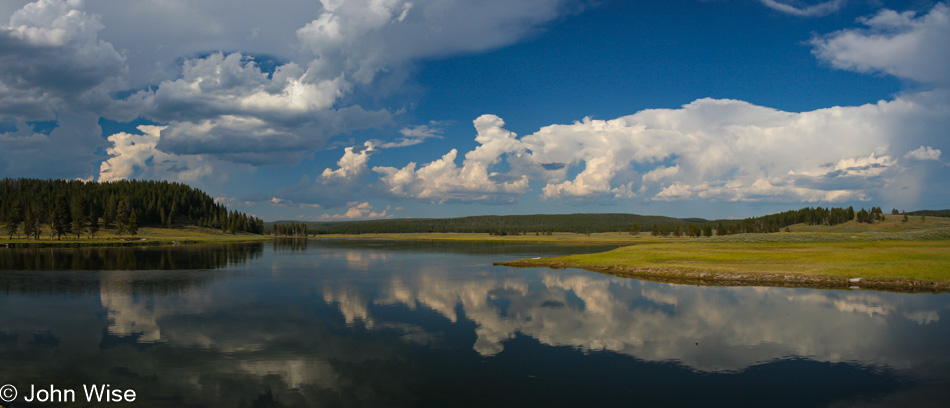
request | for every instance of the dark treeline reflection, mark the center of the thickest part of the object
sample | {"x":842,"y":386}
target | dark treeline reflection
{"x":115,"y":259}
{"x":290,"y":244}
{"x":82,"y":271}
{"x":88,"y":283}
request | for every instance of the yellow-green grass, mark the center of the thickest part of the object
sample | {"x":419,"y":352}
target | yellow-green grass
{"x":919,"y":260}
{"x":885,"y":263}
{"x":145,"y":236}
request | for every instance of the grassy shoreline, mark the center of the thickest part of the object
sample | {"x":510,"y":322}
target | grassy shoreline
{"x":887,"y":265}
{"x":146,"y":236}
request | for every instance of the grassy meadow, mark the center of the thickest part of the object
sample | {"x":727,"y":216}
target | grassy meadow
{"x":889,"y":253}
{"x":885,"y":259}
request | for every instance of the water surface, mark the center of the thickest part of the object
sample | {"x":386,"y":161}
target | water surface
{"x":385,"y":323}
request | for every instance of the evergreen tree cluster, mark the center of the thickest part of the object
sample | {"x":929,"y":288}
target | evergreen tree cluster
{"x":870,"y":217}
{"x":770,"y":223}
{"x":74,"y":207}
{"x":294,"y":229}
{"x":691,"y":230}
{"x":775,"y":222}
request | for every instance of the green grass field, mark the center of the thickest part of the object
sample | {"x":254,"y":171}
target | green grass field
{"x":886,"y":259}
{"x":145,"y":236}
{"x":888,"y":254}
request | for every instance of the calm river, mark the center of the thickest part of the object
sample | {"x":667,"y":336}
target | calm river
{"x":383,"y":323}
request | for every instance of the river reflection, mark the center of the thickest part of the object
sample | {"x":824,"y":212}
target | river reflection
{"x":384,"y":323}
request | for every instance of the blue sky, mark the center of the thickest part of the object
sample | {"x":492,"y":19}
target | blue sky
{"x":356,"y":109}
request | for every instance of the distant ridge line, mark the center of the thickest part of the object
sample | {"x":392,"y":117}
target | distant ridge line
{"x":579,"y":223}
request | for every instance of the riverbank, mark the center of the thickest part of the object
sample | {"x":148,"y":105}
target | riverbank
{"x":146,"y":236}
{"x":903,"y":265}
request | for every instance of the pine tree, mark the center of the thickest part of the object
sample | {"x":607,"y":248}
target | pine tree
{"x":93,"y":223}
{"x":133,"y":224}
{"x":37,"y":214}
{"x":61,"y":222}
{"x":14,"y":218}
{"x":29,"y":223}
{"x":170,"y":218}
{"x":78,"y":211}
{"x":108,"y":215}
{"x":121,"y":218}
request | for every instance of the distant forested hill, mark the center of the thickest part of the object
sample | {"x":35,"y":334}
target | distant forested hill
{"x":580,"y":223}
{"x":931,"y":213}
{"x":583,"y":223}
{"x":73,"y":207}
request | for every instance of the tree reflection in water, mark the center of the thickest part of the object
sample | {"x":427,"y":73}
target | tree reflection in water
{"x":74,"y":270}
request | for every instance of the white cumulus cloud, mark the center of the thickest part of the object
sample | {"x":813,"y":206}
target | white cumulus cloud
{"x":53,"y":59}
{"x":710,"y":149}
{"x":357,"y":211}
{"x":443,"y":181}
{"x":901,"y":44}
{"x":332,"y":187}
{"x":722,"y":149}
{"x":923,"y":153}
{"x":136,"y":156}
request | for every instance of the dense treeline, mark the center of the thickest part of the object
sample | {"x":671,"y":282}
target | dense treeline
{"x":807,"y":215}
{"x":773,"y":222}
{"x":73,"y":207}
{"x":294,"y":229}
{"x":931,"y":213}
{"x":870,"y":217}
{"x":508,"y":224}
{"x":692,"y":230}
{"x":584,"y":223}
